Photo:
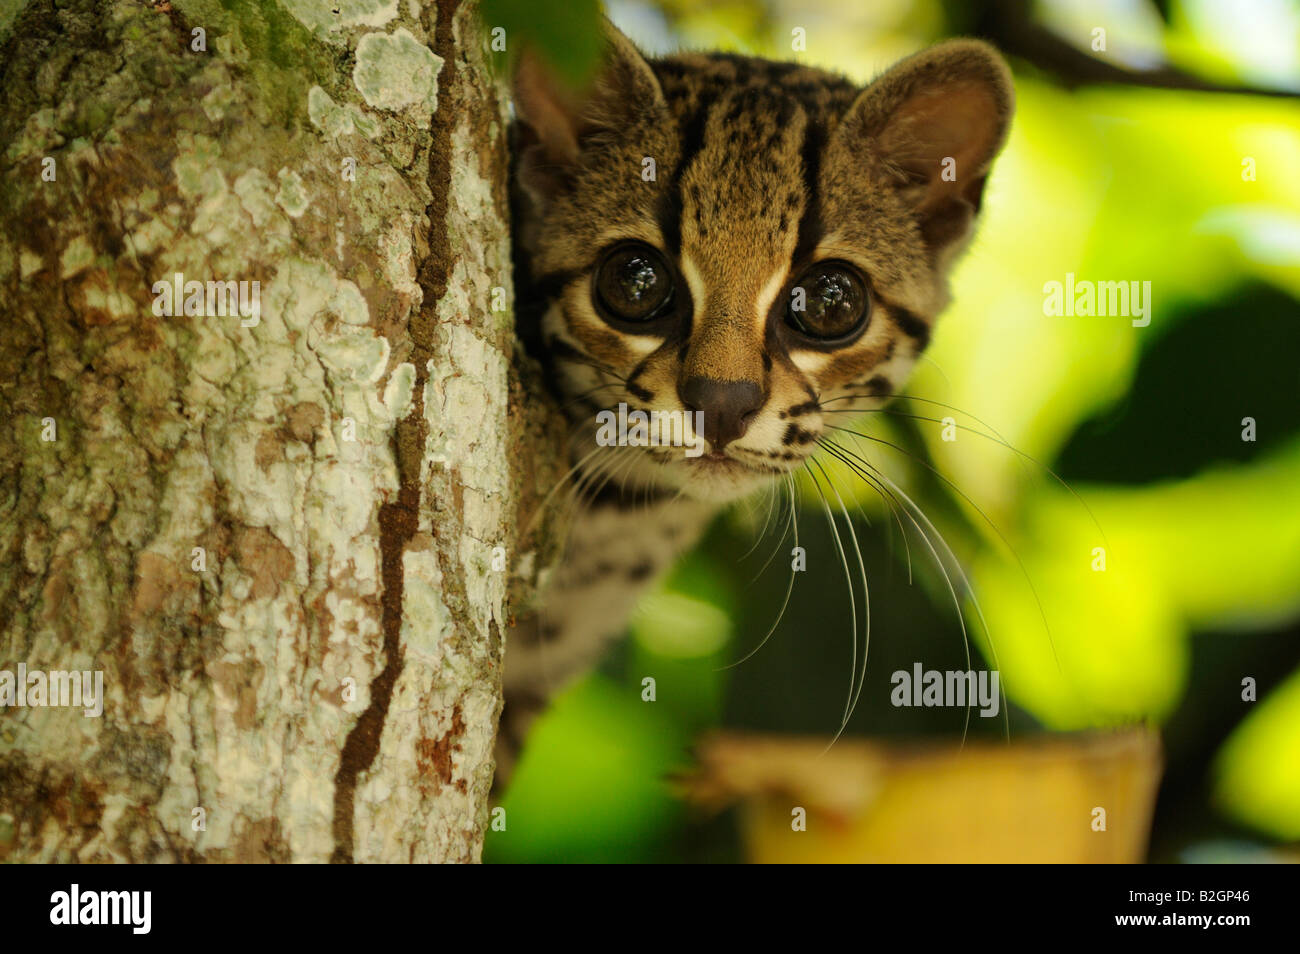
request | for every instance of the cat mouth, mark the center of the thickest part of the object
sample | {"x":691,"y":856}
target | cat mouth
{"x":717,"y":476}
{"x":720,"y":463}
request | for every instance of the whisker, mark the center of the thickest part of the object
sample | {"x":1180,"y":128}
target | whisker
{"x":781,"y":540}
{"x":541,"y":507}
{"x":866,"y":596}
{"x":938,"y":560}
{"x":794,"y":519}
{"x":966,"y":585}
{"x":993,"y":436}
{"x":935,"y":364}
{"x":583,"y":395}
{"x":579,"y":358}
{"x":889,"y":502}
{"x":767,"y":519}
{"x":853,"y":609}
{"x":993,"y":526}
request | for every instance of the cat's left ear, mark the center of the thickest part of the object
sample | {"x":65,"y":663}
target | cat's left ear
{"x":933,"y":125}
{"x":556,"y":120}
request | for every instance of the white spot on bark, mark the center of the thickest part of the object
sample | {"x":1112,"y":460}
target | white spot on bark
{"x":397,"y":71}
{"x":292,"y":195}
{"x":77,"y":256}
{"x":334,"y":120}
{"x":319,"y":16}
{"x":29,"y":263}
{"x":401,"y":386}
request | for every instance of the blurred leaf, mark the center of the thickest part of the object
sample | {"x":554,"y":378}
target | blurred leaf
{"x":1196,"y":553}
{"x":590,"y":785}
{"x":1181,"y":414}
{"x":567,"y":35}
{"x":1123,"y":185}
{"x":1258,"y":771}
{"x":679,"y":627}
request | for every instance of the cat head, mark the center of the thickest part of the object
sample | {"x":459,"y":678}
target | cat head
{"x":746,"y":241}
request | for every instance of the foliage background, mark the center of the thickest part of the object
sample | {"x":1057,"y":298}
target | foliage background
{"x":1106,"y":180}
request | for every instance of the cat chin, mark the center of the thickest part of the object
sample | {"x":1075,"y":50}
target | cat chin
{"x":695,"y":478}
{"x":720,"y":483}
{"x":723,"y":493}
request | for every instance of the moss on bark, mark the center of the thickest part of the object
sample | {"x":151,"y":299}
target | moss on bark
{"x":272,"y":533}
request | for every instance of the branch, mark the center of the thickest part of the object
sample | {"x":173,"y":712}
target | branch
{"x":1009,"y":25}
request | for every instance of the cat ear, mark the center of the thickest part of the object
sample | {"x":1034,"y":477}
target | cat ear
{"x":556,"y":120}
{"x":933,"y":124}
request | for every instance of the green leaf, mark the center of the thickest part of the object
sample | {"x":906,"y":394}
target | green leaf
{"x":567,"y":36}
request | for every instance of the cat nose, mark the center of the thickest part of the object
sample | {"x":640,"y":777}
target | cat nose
{"x":728,"y":407}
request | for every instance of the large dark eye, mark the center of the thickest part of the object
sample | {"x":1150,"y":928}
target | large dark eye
{"x":835,"y":302}
{"x":633,"y":283}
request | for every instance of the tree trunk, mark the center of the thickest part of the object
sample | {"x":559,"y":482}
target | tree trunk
{"x":274,"y":530}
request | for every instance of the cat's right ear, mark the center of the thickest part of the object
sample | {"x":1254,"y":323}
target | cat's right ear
{"x":557,"y":120}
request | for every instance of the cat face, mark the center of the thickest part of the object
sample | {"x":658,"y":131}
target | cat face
{"x":745,"y":243}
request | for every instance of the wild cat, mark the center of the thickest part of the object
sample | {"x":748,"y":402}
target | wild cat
{"x":744,"y":241}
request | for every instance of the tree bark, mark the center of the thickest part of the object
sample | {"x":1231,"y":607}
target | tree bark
{"x":277,"y":535}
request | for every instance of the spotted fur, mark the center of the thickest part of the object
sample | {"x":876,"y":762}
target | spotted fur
{"x":760,"y":170}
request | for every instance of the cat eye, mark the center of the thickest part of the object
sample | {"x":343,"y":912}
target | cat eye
{"x":835,"y":302}
{"x":633,"y":284}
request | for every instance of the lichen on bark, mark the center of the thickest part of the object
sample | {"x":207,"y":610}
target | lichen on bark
{"x":343,"y":463}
